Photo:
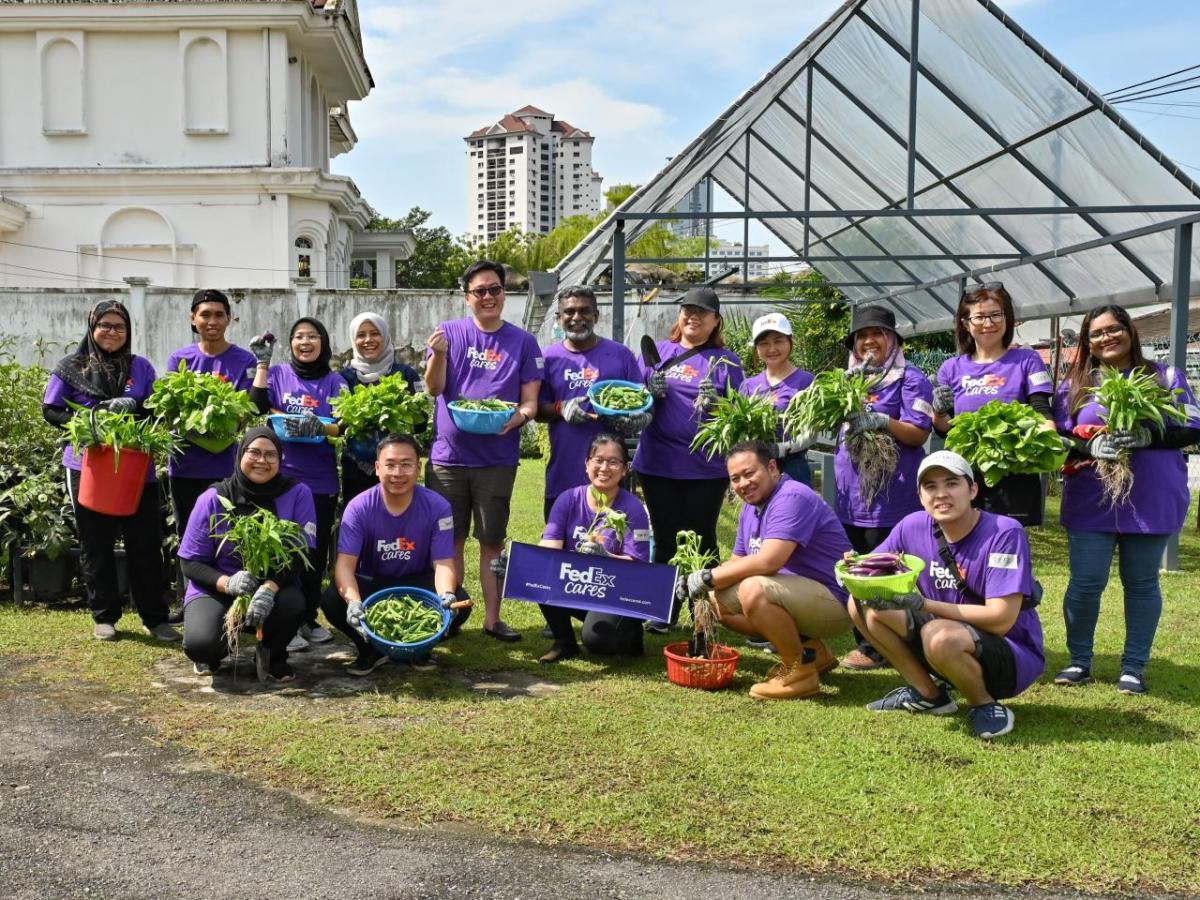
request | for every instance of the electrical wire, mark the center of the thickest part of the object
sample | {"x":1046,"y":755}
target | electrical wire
{"x":1130,"y":87}
{"x":1152,"y":95}
{"x":67,"y":275}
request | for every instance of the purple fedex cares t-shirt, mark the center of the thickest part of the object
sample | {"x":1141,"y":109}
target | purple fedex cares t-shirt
{"x":794,"y":512}
{"x":138,"y":386}
{"x":198,"y":543}
{"x":571,"y":516}
{"x":908,"y":399}
{"x":482,"y":365}
{"x":1014,"y":376}
{"x":236,"y":366}
{"x":1159,"y":500}
{"x":994,"y":561}
{"x":665,"y":446}
{"x":390,"y":548}
{"x":314,"y":464}
{"x":780,"y":394}
{"x":569,"y":374}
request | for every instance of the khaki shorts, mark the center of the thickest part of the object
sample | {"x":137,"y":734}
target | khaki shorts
{"x":814,"y":609}
{"x":482,"y":494}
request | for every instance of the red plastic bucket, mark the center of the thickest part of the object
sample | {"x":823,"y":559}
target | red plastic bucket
{"x":112,"y":483}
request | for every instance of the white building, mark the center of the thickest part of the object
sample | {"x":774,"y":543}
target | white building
{"x":186,"y":141}
{"x":731,"y":253}
{"x":529,"y":171}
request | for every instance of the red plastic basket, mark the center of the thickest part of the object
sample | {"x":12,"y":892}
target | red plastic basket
{"x":112,"y":484}
{"x":706,"y":674}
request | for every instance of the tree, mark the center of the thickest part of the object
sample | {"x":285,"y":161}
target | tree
{"x":438,"y":259}
{"x":618,"y":194}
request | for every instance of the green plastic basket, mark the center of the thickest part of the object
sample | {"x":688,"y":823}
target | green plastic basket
{"x":881,"y":587}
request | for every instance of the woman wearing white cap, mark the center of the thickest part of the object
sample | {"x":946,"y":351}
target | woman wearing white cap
{"x":781,"y":380}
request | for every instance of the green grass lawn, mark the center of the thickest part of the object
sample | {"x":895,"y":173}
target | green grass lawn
{"x":1092,"y":790}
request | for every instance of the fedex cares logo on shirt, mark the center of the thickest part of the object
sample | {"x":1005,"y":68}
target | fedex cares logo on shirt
{"x":943,"y":578}
{"x":585,"y":377}
{"x":484,"y":359}
{"x":683,"y":372}
{"x":297,"y":404}
{"x":400,"y":548}
{"x":984,"y":385}
{"x":589,"y":582}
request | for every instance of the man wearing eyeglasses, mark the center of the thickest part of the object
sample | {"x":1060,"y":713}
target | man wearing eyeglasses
{"x":476,"y":358}
{"x":396,"y":533}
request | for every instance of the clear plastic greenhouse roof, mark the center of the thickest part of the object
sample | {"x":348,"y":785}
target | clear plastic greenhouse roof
{"x":999,"y":123}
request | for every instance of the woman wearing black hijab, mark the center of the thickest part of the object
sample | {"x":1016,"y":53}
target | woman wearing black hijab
{"x":215,"y":574}
{"x":102,"y":372}
{"x":303,"y":388}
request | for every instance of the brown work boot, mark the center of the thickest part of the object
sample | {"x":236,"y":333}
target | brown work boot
{"x":863,"y":658}
{"x":788,"y":683}
{"x":821,"y":659}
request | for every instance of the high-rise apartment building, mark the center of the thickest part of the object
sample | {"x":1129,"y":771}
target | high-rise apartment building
{"x":529,"y":171}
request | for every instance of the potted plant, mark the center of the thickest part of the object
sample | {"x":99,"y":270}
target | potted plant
{"x":118,"y":450}
{"x":205,"y":409}
{"x":37,"y":532}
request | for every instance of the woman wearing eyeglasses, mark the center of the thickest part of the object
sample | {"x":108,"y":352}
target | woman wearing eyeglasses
{"x":1138,"y":528}
{"x":104,"y":373}
{"x":215,"y":573}
{"x":990,"y":368}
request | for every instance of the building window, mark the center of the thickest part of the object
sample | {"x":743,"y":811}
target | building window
{"x":515,"y":150}
{"x":304,"y":247}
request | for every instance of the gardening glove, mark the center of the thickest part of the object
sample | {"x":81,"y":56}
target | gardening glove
{"x":681,"y":590}
{"x":1132,"y":440}
{"x":119,"y":404}
{"x":593,"y":548}
{"x":448,"y":598}
{"x":263,"y":347}
{"x":355,"y":613}
{"x":868,"y":421}
{"x":656,"y":384}
{"x":261,"y":605}
{"x":867,"y":369}
{"x":797,"y":445}
{"x":572,"y":411}
{"x":241,"y":583}
{"x":631,"y":425}
{"x":943,"y":401}
{"x":1102,"y":446}
{"x":306,"y":426}
{"x":699,"y":583}
{"x":708,"y":396}
{"x":499,"y":565}
{"x":912,"y":601}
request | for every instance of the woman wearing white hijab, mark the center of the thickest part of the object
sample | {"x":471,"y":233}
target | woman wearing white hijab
{"x":374,"y":358}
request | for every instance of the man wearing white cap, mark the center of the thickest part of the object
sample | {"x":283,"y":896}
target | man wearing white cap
{"x":972,"y":621}
{"x":779,"y":381}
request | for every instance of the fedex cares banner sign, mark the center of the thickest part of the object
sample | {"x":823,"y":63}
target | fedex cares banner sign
{"x":597,"y":583}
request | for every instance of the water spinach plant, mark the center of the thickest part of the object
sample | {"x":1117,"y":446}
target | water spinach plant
{"x":120,"y":431}
{"x":735,"y":418}
{"x":689,"y":558}
{"x":386,"y":406}
{"x":200,"y":405}
{"x":1131,"y":401}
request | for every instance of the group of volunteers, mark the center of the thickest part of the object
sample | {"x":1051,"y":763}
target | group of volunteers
{"x":971,"y":625}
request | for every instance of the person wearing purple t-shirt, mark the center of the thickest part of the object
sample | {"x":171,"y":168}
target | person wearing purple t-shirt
{"x":481,"y":357}
{"x":216,"y":574}
{"x":1137,"y":526}
{"x":684,"y":488}
{"x":577,"y":523}
{"x":394,"y":534}
{"x":972,"y":619}
{"x":302,"y":389}
{"x":582,"y":359}
{"x":778,"y":583}
{"x":990,"y":368}
{"x":779,"y":382}
{"x":103,"y":372}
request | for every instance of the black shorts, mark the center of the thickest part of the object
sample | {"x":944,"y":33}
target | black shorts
{"x":994,"y":655}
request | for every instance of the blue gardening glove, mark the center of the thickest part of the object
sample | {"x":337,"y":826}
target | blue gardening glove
{"x":448,"y":599}
{"x":656,"y":384}
{"x":631,"y":425}
{"x":796,"y":445}
{"x":261,"y":605}
{"x":500,"y":564}
{"x":593,"y":548}
{"x":307,"y":425}
{"x":355,"y":614}
{"x":1132,"y":440}
{"x":241,"y":583}
{"x":119,"y":404}
{"x":707,"y":396}
{"x":913,"y":601}
{"x":1103,"y":446}
{"x":699,"y":583}
{"x":572,"y":411}
{"x":943,"y":401}
{"x":263,"y":347}
{"x":868,"y":421}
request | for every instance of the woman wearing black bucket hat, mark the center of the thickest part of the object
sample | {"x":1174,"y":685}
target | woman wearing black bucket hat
{"x":879,"y":450}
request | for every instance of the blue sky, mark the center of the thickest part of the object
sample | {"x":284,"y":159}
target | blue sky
{"x":646,"y":82}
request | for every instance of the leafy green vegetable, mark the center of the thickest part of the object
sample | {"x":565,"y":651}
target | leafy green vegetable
{"x":488,"y":405}
{"x":689,"y":558}
{"x":606,"y":517}
{"x":403,"y":620}
{"x":621,"y":397}
{"x":735,"y":418}
{"x":121,"y":431}
{"x":388,"y":405}
{"x":1001,"y":439}
{"x":200,"y":404}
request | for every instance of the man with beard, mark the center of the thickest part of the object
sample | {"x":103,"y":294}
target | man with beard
{"x":582,"y":359}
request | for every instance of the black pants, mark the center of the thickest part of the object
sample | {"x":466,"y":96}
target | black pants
{"x":606,"y":634}
{"x":184,"y":494}
{"x":864,"y":540}
{"x":334,"y":606}
{"x":204,"y":637}
{"x":355,"y":480}
{"x":142,"y":533}
{"x":310,"y":580}
{"x":1017,"y":496}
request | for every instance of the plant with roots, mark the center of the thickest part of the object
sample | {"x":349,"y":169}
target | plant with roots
{"x":1129,"y":402}
{"x":689,"y":558}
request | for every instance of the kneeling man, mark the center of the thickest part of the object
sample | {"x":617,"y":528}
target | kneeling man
{"x":973,"y":622}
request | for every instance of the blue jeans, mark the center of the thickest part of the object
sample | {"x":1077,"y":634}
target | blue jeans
{"x":1090,"y":554}
{"x":797,"y":467}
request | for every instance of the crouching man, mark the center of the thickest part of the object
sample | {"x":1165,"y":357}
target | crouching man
{"x":779,"y":582}
{"x":395,"y":534}
{"x":973,"y":622}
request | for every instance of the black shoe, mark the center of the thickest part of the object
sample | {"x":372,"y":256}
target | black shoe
{"x":367,"y":662}
{"x":503,"y":633}
{"x":424,"y":664}
{"x":559,"y":650}
{"x":175,"y":615}
{"x":281,"y":672}
{"x":547,"y":633}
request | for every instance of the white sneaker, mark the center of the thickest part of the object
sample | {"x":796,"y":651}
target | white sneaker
{"x":315,"y":634}
{"x":297,"y":644}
